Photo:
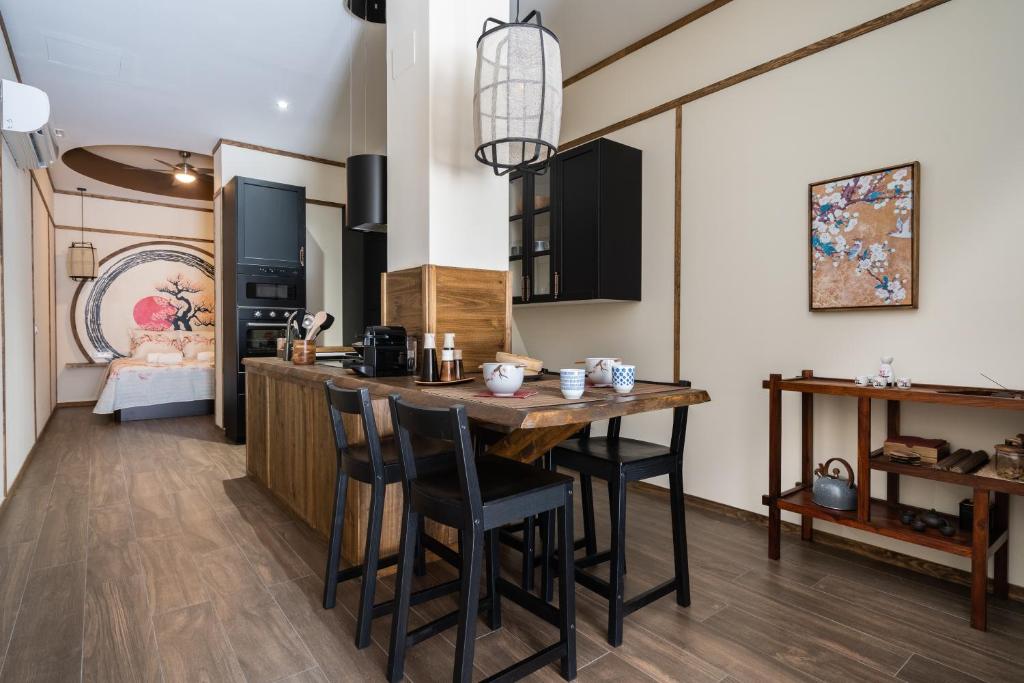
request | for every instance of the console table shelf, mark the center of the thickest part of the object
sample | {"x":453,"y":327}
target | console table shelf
{"x":990,"y":533}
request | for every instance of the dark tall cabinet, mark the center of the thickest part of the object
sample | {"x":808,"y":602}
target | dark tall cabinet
{"x":575,"y":231}
{"x":263,"y":276}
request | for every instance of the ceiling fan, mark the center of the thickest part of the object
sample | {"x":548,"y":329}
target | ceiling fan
{"x":184,"y":172}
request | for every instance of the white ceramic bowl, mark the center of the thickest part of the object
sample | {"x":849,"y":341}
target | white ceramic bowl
{"x":599,"y":371}
{"x":503,"y":379}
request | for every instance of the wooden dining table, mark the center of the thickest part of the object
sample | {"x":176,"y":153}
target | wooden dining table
{"x":290,"y":449}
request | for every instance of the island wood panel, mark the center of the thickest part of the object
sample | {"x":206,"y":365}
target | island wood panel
{"x":473,"y":303}
{"x":290,"y":450}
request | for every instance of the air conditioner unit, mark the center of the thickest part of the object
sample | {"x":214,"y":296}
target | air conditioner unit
{"x":25,"y":119}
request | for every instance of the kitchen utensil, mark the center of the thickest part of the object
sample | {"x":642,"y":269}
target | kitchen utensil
{"x":327,"y":324}
{"x":599,"y":370}
{"x":525,"y":361}
{"x":319,"y":319}
{"x":307,"y":321}
{"x":503,"y":379}
{"x":832,"y":491}
{"x":303,"y":352}
{"x":623,"y":378}
{"x":572,"y":382}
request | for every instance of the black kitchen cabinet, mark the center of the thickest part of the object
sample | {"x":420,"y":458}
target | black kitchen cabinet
{"x":269,"y":223}
{"x":575,"y":231}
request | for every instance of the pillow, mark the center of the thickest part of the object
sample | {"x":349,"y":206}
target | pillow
{"x":144,"y":342}
{"x":195,"y":341}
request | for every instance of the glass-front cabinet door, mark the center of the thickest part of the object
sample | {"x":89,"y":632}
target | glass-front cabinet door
{"x":531,"y":238}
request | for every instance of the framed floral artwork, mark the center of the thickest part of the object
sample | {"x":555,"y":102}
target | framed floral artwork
{"x":863,"y":240}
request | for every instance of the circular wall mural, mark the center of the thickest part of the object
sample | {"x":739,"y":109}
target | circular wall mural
{"x":150,"y":286}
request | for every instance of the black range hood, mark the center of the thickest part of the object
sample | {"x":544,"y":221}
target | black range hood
{"x":367,"y":192}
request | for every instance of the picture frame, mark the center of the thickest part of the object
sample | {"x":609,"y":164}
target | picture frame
{"x":863,"y":240}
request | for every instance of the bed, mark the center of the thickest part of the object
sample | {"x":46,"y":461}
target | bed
{"x":169,"y":374}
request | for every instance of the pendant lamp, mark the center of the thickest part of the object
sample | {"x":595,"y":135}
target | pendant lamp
{"x":82,"y":260}
{"x":517,"y":106}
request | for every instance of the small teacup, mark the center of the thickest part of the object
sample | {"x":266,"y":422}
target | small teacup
{"x":863,"y":380}
{"x":572,"y":382}
{"x":878,"y":382}
{"x":599,"y":370}
{"x":903,"y":382}
{"x":623,"y":378}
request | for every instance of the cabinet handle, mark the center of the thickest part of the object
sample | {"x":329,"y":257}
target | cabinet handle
{"x":526,"y":288}
{"x":302,"y":256}
{"x":556,"y":284}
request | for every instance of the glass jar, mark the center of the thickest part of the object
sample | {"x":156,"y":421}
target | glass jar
{"x":1009,"y":461}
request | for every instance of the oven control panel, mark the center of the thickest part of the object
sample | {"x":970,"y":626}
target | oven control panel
{"x":265,"y":314}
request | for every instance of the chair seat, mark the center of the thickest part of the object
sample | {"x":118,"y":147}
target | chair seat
{"x":619,"y":450}
{"x":431,"y":454}
{"x":500,"y":478}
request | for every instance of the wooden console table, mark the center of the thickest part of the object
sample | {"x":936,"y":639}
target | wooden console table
{"x":881,"y":516}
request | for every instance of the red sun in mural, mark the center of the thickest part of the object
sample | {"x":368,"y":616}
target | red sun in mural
{"x":154,"y":313}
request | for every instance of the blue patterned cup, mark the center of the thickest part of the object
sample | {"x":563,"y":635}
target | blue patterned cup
{"x":623,"y":378}
{"x":572,"y":381}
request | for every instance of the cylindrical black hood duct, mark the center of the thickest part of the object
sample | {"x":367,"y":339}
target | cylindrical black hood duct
{"x":367,"y":192}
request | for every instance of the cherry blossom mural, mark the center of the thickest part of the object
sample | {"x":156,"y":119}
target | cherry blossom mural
{"x":863,"y":240}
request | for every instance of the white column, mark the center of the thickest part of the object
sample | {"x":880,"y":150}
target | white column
{"x":444,"y":207}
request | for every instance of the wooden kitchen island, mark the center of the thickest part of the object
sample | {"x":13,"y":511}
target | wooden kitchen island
{"x":290,"y":449}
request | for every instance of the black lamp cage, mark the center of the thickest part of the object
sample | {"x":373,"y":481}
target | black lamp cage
{"x":517,"y":104}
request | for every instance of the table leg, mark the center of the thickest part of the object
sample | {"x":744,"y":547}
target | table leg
{"x":1002,"y":558}
{"x":979,"y":562}
{"x":864,"y":459}
{"x":892,"y":480}
{"x":807,"y":453}
{"x":774,"y":465}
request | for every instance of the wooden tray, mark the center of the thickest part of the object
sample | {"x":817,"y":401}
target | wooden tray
{"x":444,"y":384}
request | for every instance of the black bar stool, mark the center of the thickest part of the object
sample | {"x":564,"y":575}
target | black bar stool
{"x":478,"y":497}
{"x":619,"y":461}
{"x":375,"y":463}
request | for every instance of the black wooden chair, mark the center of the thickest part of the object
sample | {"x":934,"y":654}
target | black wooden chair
{"x":477,"y":497}
{"x":375,"y":463}
{"x":619,"y":461}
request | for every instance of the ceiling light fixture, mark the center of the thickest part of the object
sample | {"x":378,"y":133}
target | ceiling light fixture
{"x":282,"y":105}
{"x":82,"y":260}
{"x":517,"y":105}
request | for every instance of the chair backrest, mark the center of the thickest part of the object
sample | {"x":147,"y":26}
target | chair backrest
{"x":353,"y":402}
{"x":679,"y":414}
{"x":437,"y":423}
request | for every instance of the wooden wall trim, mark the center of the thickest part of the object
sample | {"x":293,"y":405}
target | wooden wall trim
{"x":3,"y":320}
{"x":133,"y":233}
{"x":42,"y":196}
{"x":321,"y":202}
{"x":888,"y":19}
{"x":824,"y":538}
{"x":646,"y":40}
{"x":279,"y":152}
{"x":10,"y":48}
{"x":76,"y":404}
{"x":147,"y":202}
{"x":677,"y":273}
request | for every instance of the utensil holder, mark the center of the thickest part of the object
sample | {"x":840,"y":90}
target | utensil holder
{"x":303,"y":352}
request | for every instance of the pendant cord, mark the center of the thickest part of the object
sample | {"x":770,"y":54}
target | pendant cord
{"x":81,"y":194}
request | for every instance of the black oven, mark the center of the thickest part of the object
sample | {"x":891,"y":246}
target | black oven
{"x":267,"y":286}
{"x":259,"y":329}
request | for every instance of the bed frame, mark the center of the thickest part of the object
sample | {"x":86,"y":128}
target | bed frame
{"x":161,"y":410}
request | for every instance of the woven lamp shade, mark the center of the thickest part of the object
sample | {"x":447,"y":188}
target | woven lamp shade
{"x":82,"y":261}
{"x":517,"y":105}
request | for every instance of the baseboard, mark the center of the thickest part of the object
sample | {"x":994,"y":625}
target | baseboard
{"x":76,"y":404}
{"x":891,"y":557}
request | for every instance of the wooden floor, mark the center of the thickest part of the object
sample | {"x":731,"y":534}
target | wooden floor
{"x":141,"y":552}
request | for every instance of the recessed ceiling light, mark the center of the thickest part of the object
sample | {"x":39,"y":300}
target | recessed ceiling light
{"x":282,"y":105}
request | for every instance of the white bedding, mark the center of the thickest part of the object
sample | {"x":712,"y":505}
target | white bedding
{"x":132,"y":382}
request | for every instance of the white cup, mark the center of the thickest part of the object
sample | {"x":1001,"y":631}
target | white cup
{"x":503,"y":379}
{"x":878,"y":382}
{"x":903,"y":382}
{"x":572,"y":382}
{"x":863,"y":380}
{"x":599,"y":370}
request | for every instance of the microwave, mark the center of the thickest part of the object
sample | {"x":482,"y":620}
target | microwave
{"x":269,"y":286}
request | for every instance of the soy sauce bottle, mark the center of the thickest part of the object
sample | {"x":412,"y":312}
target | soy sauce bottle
{"x":428,"y":364}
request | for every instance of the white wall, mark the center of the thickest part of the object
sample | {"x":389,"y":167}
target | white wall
{"x":940,"y":88}
{"x":130,"y":223}
{"x":323,"y":182}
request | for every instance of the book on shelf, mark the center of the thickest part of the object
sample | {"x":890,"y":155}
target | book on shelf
{"x":930,"y":450}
